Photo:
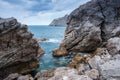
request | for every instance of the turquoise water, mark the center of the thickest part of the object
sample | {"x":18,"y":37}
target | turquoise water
{"x":54,"y":36}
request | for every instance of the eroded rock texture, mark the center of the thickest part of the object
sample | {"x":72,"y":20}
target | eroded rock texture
{"x":18,"y":50}
{"x":91,"y":25}
{"x":95,"y":28}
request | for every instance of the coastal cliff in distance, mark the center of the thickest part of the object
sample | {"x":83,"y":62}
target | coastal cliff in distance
{"x":18,"y":50}
{"x":59,"y":21}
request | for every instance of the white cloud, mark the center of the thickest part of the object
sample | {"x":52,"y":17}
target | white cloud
{"x":43,"y":18}
{"x":24,"y":15}
{"x":68,"y":4}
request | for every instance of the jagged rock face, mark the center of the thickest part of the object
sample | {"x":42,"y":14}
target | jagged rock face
{"x":107,"y":65}
{"x":92,"y":24}
{"x":59,"y":21}
{"x":18,"y":50}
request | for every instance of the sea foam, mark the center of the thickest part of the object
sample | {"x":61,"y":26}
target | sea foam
{"x":53,"y":40}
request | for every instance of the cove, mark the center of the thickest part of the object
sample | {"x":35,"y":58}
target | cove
{"x":54,"y":36}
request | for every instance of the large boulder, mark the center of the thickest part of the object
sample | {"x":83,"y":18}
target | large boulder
{"x":91,"y":25}
{"x":113,"y":45}
{"x":106,"y":64}
{"x":97,"y":60}
{"x":66,"y":73}
{"x":18,"y":50}
{"x":110,"y":69}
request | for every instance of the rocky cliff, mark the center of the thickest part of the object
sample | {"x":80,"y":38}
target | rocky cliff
{"x":93,"y":28}
{"x":91,"y":25}
{"x":59,"y":21}
{"x":18,"y":50}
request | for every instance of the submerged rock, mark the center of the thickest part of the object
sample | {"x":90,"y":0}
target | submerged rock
{"x":41,"y":40}
{"x":18,"y":50}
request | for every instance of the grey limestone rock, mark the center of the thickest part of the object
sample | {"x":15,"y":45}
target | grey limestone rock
{"x":18,"y":50}
{"x":113,"y":45}
{"x":16,"y":76}
{"x":66,"y":73}
{"x":91,"y":25}
{"x":110,"y":69}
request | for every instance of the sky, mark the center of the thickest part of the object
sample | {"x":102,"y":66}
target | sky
{"x":37,"y":12}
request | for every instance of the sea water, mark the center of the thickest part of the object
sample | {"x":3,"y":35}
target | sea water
{"x":54,"y":36}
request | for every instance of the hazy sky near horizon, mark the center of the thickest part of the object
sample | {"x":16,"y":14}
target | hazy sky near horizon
{"x":37,"y":12}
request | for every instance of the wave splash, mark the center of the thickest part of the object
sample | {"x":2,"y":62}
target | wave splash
{"x":53,"y":40}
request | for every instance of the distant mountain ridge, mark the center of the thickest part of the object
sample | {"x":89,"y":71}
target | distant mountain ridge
{"x":59,"y":21}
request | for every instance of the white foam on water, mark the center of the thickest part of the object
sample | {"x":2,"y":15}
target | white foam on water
{"x":53,"y":40}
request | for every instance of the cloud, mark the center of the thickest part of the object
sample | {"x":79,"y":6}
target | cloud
{"x":68,"y":4}
{"x":37,"y":12}
{"x":44,"y":18}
